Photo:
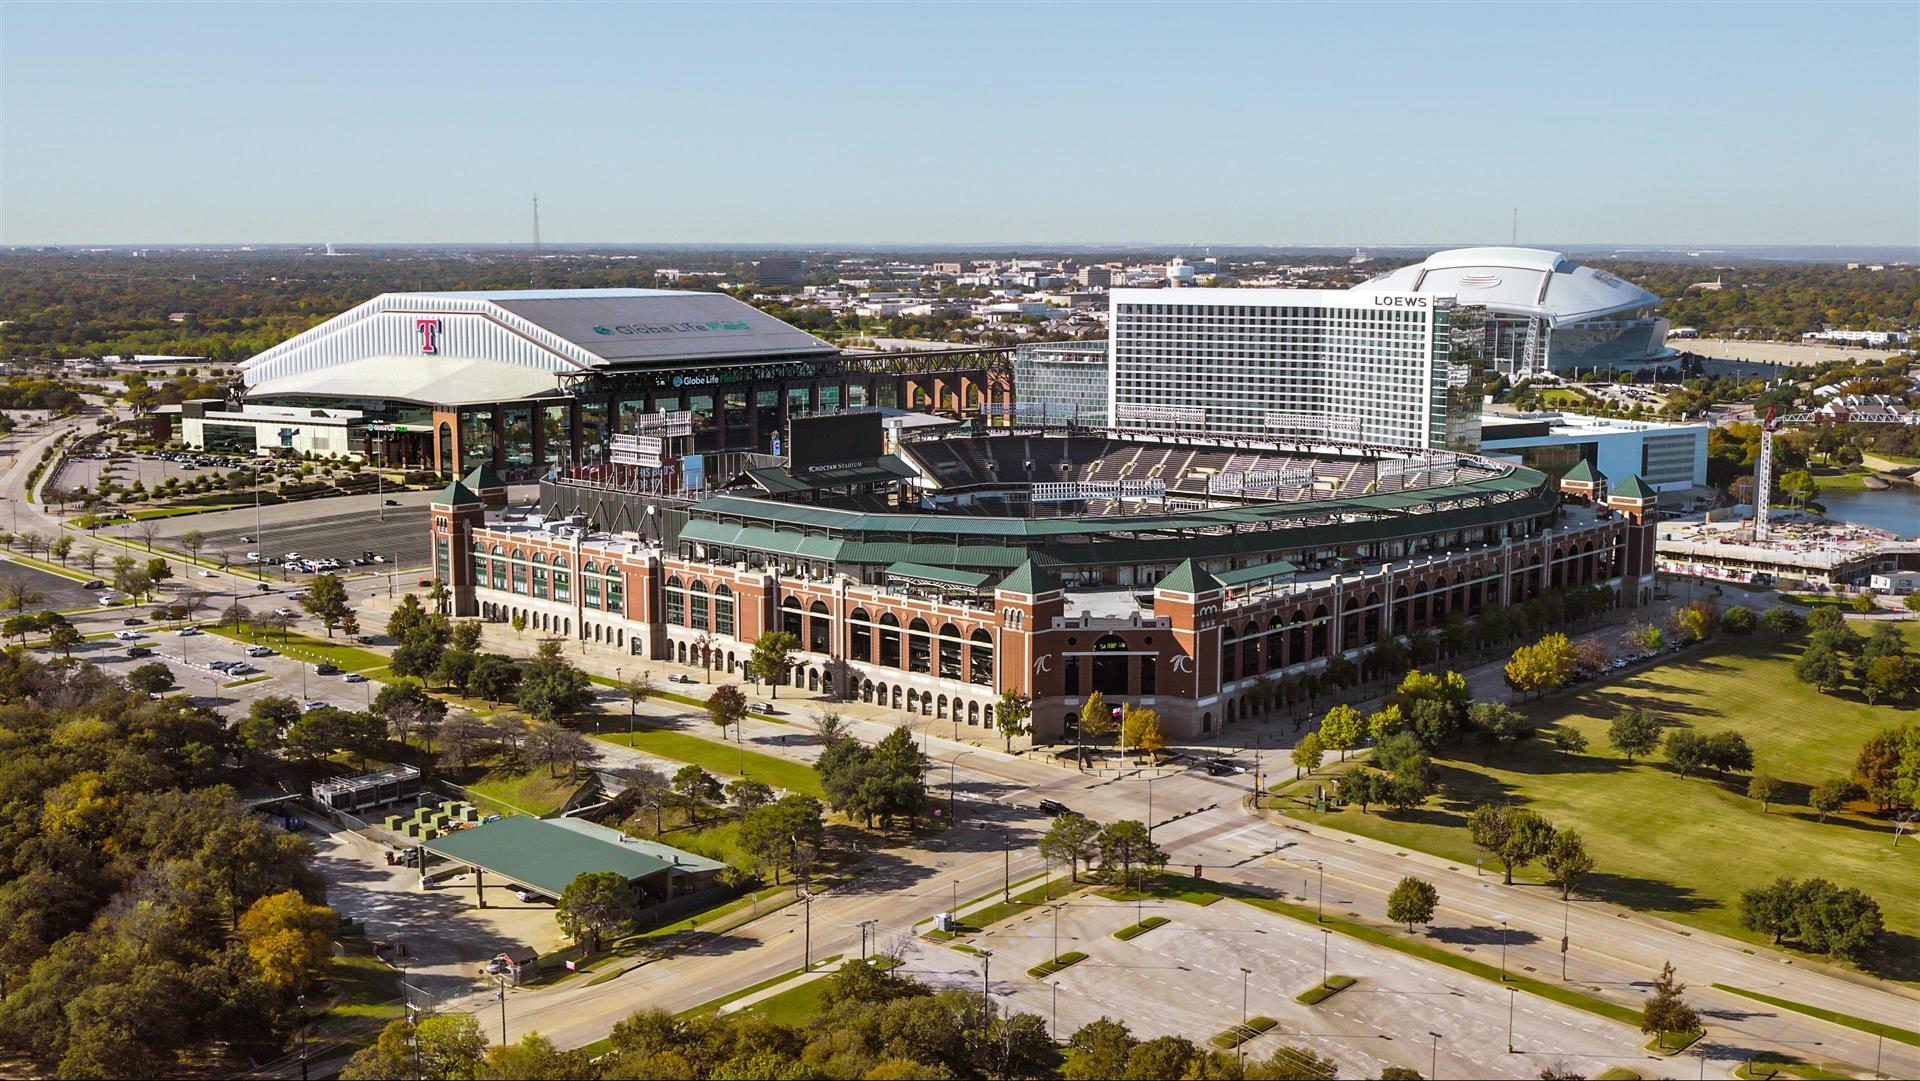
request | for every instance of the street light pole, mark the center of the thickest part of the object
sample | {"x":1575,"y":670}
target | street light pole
{"x":1326,"y":947}
{"x":986,"y":979}
{"x":1006,"y":857}
{"x":952,"y":763}
{"x":1566,"y":931}
{"x":806,"y":956}
{"x":1056,"y":929}
{"x":1240,"y":1045}
{"x":1433,"y":1064}
{"x":1053,"y":1027}
{"x":1503,"y":951}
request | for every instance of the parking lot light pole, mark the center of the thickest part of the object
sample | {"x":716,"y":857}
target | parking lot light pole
{"x":1433,"y":1064}
{"x":1053,"y":1028}
{"x":1503,"y":951}
{"x":1512,"y":992}
{"x":1326,"y":947}
{"x":1241,"y":1044}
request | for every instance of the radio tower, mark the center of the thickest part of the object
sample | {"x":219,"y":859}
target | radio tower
{"x":536,"y":240}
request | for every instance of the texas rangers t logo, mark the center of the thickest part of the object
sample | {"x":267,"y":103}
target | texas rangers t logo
{"x":429,"y":334}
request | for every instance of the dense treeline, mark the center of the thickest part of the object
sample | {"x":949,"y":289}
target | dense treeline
{"x":144,"y":913}
{"x":1785,"y":301}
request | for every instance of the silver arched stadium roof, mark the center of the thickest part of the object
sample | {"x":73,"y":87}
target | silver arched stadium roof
{"x":1518,"y":281}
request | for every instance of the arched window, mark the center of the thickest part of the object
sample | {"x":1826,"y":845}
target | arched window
{"x":817,"y":627}
{"x":676,"y":601}
{"x":697,"y":605}
{"x":590,"y":582}
{"x":519,"y":571}
{"x":562,"y":580}
{"x":980,"y":658}
{"x":499,"y":568}
{"x":479,"y":563}
{"x":949,"y":651}
{"x":862,"y":634}
{"x":723,"y":611}
{"x":616,"y":591}
{"x":539,"y":575}
{"x":919,"y":646}
{"x":1110,"y":665}
{"x":790,"y":620}
{"x":889,"y":640}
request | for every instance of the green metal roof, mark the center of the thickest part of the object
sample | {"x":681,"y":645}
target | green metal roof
{"x":1581,"y":473}
{"x":456,"y":494}
{"x":542,"y":856}
{"x":483,"y":476}
{"x":1030,"y":579}
{"x":922,"y":572}
{"x":1634,"y":488}
{"x":1188,"y":577}
{"x":1256,"y":573}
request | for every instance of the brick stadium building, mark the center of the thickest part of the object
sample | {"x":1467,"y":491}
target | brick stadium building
{"x":1158,"y":570}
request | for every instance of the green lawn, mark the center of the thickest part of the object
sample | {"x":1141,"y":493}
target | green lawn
{"x":1840,"y":478}
{"x":1562,"y":396}
{"x":1686,"y":848}
{"x":720,"y":758}
{"x":535,"y":792}
{"x":361,"y":986}
{"x":302,"y":647}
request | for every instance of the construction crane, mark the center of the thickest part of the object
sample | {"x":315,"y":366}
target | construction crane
{"x":1763,"y":468}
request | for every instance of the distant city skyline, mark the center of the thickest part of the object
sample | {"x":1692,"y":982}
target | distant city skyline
{"x":823,"y":124}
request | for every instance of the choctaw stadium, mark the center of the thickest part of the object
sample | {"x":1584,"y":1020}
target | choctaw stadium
{"x":931,"y":569}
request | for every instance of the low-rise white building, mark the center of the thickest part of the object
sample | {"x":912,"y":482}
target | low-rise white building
{"x":1669,"y":457}
{"x":262,"y":429}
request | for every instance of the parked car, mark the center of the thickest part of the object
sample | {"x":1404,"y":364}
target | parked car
{"x":94,"y":584}
{"x":355,"y":677}
{"x":259,"y":651}
{"x":309,"y":707}
{"x":678,"y":678}
{"x":326,"y":668}
{"x":139,"y":651}
{"x":204,"y":573}
{"x":187,"y":632}
{"x":243,"y":669}
{"x":126,"y":636}
{"x":133,"y":621}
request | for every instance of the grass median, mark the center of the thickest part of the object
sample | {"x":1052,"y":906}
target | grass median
{"x":1891,"y":1032}
{"x":303,"y":647}
{"x":721,"y":758}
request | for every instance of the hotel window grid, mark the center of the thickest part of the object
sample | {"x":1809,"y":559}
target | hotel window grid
{"x":1383,"y":369}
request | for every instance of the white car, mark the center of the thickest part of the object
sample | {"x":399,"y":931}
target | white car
{"x":126,"y":636}
{"x":253,"y":557}
{"x":204,"y":573}
{"x":288,"y":612}
{"x":187,"y":632}
{"x":259,"y":651}
{"x":309,"y":707}
{"x":113,"y":598}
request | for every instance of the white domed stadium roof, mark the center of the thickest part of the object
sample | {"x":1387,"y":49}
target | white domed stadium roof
{"x":1518,"y":281}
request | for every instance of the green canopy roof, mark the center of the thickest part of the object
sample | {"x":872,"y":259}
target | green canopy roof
{"x":1582,"y":473}
{"x":923,"y":573}
{"x":541,"y":855}
{"x":1259,"y":572}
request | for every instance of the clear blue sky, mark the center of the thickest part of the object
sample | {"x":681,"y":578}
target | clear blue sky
{"x":819,"y":123}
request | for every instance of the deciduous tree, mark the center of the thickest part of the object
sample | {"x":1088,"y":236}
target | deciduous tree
{"x":1412,"y":901}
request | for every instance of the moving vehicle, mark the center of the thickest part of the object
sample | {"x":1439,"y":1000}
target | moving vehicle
{"x":126,"y":636}
{"x":355,"y":677}
{"x":133,"y":621}
{"x":139,"y":651}
{"x":95,"y":584}
{"x":326,"y":668}
{"x":309,"y":707}
{"x":187,"y":632}
{"x":1054,"y":807}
